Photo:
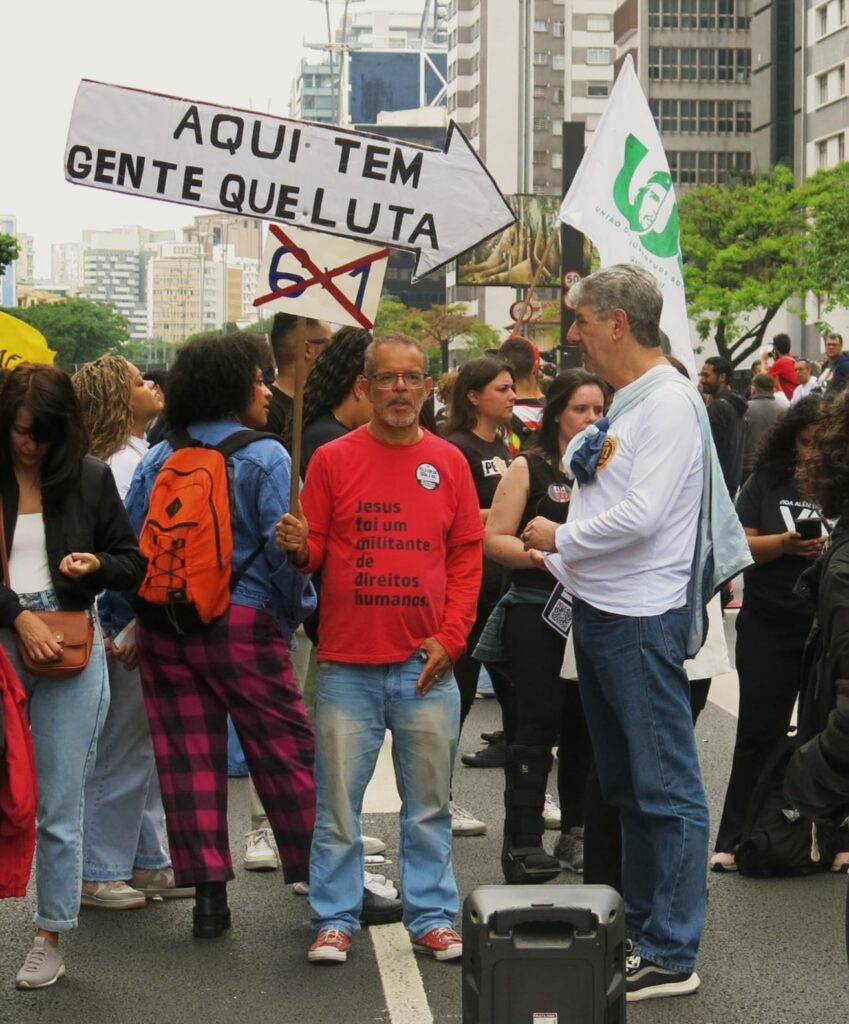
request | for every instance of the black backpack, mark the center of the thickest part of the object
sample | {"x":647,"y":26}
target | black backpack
{"x":776,"y":840}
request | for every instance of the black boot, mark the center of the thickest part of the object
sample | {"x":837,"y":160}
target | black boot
{"x":211,"y":914}
{"x":523,"y":858}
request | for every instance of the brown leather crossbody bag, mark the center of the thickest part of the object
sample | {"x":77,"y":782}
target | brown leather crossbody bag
{"x":73,"y":631}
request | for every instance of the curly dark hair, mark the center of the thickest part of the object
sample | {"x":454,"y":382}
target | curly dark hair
{"x":565,"y":384}
{"x":823,"y":476}
{"x":775,"y":457}
{"x":47,"y":393}
{"x":475,"y":375}
{"x":335,"y":372}
{"x":212,"y":378}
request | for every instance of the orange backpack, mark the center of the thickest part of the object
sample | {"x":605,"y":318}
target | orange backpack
{"x":187,"y":537}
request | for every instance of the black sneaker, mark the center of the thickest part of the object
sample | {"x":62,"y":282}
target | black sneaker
{"x":492,"y":756}
{"x":646,"y":980}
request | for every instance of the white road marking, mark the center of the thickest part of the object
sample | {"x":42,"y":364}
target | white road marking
{"x":406,"y":1000}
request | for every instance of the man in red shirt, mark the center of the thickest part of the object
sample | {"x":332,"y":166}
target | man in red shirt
{"x":783,"y":367}
{"x":391,"y":517}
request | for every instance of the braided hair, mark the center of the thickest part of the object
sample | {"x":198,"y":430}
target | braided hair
{"x":104,"y":393}
{"x":335,"y":372}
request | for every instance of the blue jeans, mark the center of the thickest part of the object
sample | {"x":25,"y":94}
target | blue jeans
{"x":66,"y":717}
{"x":356,"y":705}
{"x":636,"y":699}
{"x":124,"y":818}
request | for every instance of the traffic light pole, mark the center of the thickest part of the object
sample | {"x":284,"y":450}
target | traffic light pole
{"x":574,"y":262}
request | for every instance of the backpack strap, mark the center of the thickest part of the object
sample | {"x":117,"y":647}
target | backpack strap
{"x":242,"y":438}
{"x":179,"y":438}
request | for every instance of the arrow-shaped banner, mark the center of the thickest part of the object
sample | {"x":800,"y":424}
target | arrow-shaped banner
{"x":437,"y":204}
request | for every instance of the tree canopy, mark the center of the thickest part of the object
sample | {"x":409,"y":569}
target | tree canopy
{"x":77,"y":329}
{"x":757,"y":242}
{"x":8,"y":251}
{"x":436,"y":327}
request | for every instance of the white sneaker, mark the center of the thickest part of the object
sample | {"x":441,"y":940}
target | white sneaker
{"x":465,"y":824}
{"x":301,"y":888}
{"x":372,"y":846}
{"x":261,"y":851}
{"x":111,"y":896}
{"x":551,"y":813}
{"x":43,"y":966}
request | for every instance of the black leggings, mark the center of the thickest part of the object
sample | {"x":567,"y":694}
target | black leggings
{"x":548,"y":708}
{"x":467,"y":670}
{"x":769,"y":667}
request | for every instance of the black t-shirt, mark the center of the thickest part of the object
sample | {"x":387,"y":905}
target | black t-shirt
{"x":488,"y":461}
{"x":320,"y":431}
{"x":280,"y":411}
{"x":772,"y":507}
{"x":549,"y":491}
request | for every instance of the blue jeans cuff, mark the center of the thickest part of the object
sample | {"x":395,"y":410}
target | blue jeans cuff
{"x":663,"y":961}
{"x":53,"y":926}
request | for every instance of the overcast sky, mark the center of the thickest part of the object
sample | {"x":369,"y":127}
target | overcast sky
{"x":243,"y":54}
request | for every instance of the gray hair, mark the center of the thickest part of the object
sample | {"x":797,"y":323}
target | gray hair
{"x":626,"y":287}
{"x":392,"y":340}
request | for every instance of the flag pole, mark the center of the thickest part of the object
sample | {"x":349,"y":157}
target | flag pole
{"x":537,"y":274}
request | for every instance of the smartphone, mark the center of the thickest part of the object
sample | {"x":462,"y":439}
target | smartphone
{"x":809,"y":529}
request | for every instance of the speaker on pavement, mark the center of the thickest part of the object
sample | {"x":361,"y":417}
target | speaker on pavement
{"x":552,"y":954}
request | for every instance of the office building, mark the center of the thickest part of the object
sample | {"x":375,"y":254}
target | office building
{"x":8,"y":297}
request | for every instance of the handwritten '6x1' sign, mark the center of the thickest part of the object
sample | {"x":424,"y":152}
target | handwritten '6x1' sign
{"x":316,"y":275}
{"x":365,"y":187}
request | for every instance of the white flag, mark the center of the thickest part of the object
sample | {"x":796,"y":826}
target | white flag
{"x":623,"y":200}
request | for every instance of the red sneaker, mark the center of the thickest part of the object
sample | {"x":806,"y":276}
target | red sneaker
{"x":330,"y":947}
{"x":440,"y":943}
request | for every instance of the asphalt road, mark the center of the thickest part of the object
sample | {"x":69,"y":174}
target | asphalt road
{"x":772,"y":951}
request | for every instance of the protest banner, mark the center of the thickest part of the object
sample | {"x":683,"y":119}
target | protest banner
{"x":623,"y":199}
{"x":342,"y":182}
{"x":322,"y":276}
{"x":21,"y":343}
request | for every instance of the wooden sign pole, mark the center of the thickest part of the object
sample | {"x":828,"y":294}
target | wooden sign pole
{"x":534,"y":282}
{"x":298,"y":412}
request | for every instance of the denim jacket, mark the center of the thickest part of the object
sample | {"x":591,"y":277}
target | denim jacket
{"x":722,"y":550}
{"x":261,"y":478}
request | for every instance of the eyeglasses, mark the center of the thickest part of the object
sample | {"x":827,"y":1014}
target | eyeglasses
{"x":386,"y":381}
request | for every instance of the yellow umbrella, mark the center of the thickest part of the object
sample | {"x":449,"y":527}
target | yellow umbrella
{"x":21,"y":343}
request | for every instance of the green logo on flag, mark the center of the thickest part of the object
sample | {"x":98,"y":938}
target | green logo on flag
{"x":642,"y":212}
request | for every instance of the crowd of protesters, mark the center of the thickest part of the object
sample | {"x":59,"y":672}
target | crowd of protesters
{"x":521,"y":537}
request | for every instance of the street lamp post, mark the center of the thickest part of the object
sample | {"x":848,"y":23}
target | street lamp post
{"x":340,"y":84}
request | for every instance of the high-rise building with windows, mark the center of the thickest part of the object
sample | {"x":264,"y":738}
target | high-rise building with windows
{"x":66,"y":265}
{"x":694,"y":62}
{"x":825,"y":34}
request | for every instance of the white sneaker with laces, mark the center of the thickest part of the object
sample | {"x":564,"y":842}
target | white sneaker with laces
{"x":43,"y":966}
{"x":261,"y":851}
{"x":551,"y":813}
{"x":465,"y":824}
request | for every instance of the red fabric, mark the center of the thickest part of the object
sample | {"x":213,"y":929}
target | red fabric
{"x":18,"y":789}
{"x":784,"y":371}
{"x":398,"y":532}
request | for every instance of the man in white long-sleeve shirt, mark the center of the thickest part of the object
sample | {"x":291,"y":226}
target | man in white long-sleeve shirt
{"x":626,"y":553}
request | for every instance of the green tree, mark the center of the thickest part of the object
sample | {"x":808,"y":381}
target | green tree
{"x":742,"y":245}
{"x":77,"y":329}
{"x":758,"y":242}
{"x":8,"y":251}
{"x":827,"y":260}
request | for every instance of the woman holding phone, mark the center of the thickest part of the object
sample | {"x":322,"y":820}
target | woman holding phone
{"x":785,"y":535}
